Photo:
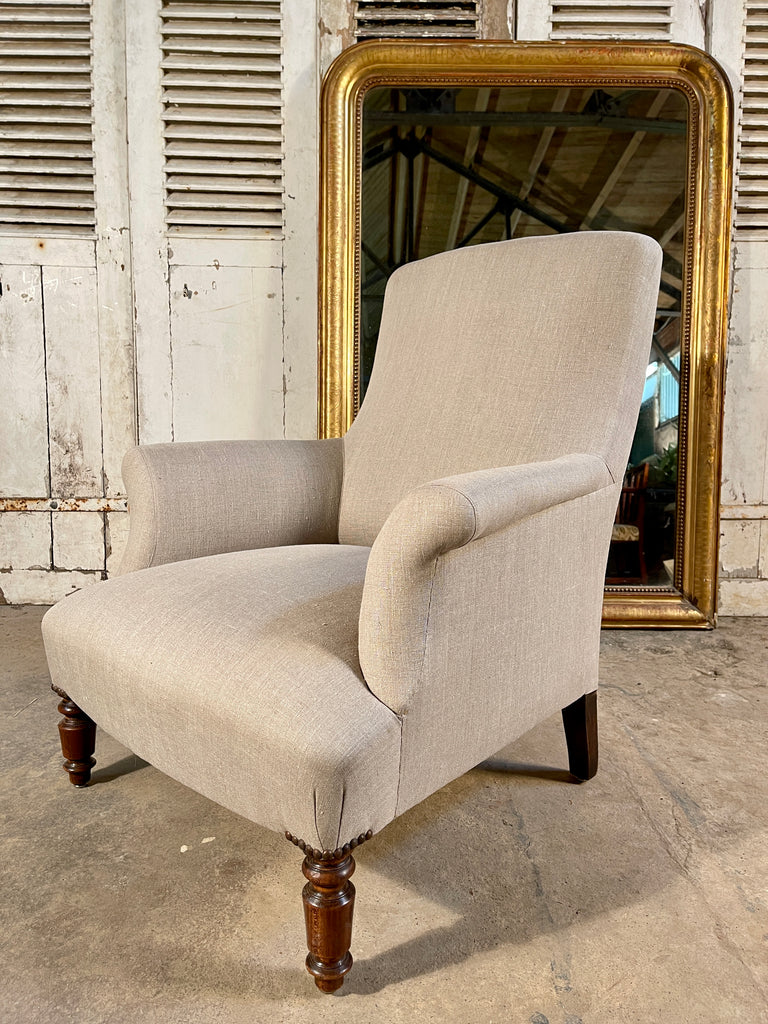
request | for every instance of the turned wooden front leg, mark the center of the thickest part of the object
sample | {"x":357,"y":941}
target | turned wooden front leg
{"x":78,"y":740}
{"x":329,"y":901}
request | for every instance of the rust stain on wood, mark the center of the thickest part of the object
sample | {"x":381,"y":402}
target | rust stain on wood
{"x":116,"y":504}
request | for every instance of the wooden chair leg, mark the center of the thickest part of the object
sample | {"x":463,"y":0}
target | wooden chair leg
{"x":329,"y":902}
{"x":580,"y":723}
{"x":78,"y":740}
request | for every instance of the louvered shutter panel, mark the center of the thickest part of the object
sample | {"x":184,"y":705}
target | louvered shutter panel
{"x":406,"y":19}
{"x":46,"y":137}
{"x":752,"y":180}
{"x":222,"y":112}
{"x":611,"y":19}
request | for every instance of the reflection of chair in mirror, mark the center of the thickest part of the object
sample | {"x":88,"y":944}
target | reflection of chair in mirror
{"x":629,"y":526}
{"x":320,"y":634}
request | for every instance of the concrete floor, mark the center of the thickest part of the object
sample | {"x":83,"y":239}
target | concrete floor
{"x":511,"y":895}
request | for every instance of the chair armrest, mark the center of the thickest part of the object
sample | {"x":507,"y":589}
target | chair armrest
{"x":190,"y":499}
{"x":432,"y":524}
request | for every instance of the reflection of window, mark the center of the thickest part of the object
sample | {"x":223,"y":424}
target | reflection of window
{"x":664,"y":386}
{"x":669,"y":391}
{"x":651,"y":381}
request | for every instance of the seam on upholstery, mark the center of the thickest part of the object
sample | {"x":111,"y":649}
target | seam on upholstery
{"x":155,"y":506}
{"x":466,"y":497}
{"x":548,"y":508}
{"x":399,"y":764}
{"x":343,"y":457}
{"x":341,"y":814}
{"x":573,"y":497}
{"x":420,"y":674}
{"x":314,"y":815}
{"x":610,"y":474}
{"x":375,"y":695}
{"x":456,"y":490}
{"x":426,"y":620}
{"x":474,"y":515}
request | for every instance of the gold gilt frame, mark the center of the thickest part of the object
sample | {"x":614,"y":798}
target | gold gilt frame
{"x":691,"y":602}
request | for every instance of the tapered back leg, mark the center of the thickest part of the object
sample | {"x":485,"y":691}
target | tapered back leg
{"x":580,"y":723}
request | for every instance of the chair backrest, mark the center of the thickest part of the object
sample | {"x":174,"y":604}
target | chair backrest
{"x":632,"y":500}
{"x":498,"y":355}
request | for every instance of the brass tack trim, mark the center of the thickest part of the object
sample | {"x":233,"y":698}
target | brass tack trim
{"x":326,"y":855}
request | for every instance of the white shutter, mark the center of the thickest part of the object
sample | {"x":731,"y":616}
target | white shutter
{"x":46,"y":136}
{"x":404,"y":19}
{"x":222,"y":113}
{"x":611,"y":19}
{"x":752,"y":181}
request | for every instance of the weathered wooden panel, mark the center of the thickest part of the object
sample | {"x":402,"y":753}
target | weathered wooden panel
{"x":116,"y":539}
{"x":46,"y":250}
{"x":78,"y":540}
{"x":745,"y":436}
{"x":229,"y":252}
{"x":739,"y":549}
{"x":115,"y":302}
{"x":226,"y":327}
{"x":36,"y":586}
{"x":743,"y":597}
{"x":74,"y":380}
{"x":300,"y":176}
{"x":149,"y":247}
{"x":23,"y":422}
{"x":25,"y":540}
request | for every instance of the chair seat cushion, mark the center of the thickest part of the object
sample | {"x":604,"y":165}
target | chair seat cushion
{"x":247,"y":688}
{"x":625,"y":531}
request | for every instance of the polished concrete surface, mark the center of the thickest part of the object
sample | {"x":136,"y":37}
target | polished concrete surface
{"x":510,"y":896}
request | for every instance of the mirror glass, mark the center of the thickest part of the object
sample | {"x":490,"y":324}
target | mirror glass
{"x":431,"y":145}
{"x":444,"y":168}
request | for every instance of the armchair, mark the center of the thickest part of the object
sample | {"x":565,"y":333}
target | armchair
{"x":320,"y":634}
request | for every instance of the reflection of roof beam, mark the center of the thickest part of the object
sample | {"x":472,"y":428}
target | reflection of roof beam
{"x":656,"y":347}
{"x":672,"y":230}
{"x":479,"y":226}
{"x":533,"y":119}
{"x":377,"y":155}
{"x":399,"y":187}
{"x":537,"y":159}
{"x":509,"y":198}
{"x":671,"y":267}
{"x":418,"y":196}
{"x":621,"y":164}
{"x":470,"y":151}
{"x":377,"y":261}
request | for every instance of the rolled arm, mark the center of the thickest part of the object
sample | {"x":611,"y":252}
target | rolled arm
{"x":449,"y":513}
{"x":434,"y":521}
{"x":190,"y":499}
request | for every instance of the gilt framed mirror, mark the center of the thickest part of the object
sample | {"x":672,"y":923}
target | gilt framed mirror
{"x":428,"y":146}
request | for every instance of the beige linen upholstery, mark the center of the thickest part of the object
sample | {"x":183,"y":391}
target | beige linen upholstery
{"x":238,"y":675}
{"x":481,"y":476}
{"x":459,"y":672}
{"x":498,"y":355}
{"x":201,"y":498}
